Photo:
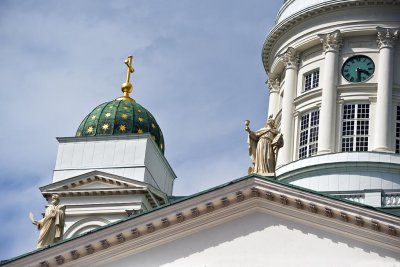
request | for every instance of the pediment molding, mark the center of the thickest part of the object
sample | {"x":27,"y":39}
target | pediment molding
{"x":245,"y":196}
{"x":97,"y":183}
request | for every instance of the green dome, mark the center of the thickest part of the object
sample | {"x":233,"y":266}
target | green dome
{"x":121,"y":117}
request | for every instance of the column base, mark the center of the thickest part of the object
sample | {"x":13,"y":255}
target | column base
{"x":382,"y":149}
{"x":325,"y":151}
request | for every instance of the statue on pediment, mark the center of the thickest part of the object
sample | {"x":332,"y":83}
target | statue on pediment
{"x":264,"y":145}
{"x":51,"y":227}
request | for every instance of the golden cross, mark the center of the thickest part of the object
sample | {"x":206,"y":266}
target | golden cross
{"x":130,"y":70}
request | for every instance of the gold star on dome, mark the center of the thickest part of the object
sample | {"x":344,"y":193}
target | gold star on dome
{"x":139,"y":131}
{"x":126,"y":108}
{"x":78,"y":134}
{"x":93,"y":117}
{"x":161,"y":146}
{"x":105,"y":126}
{"x":153,"y":126}
{"x":140,"y":111}
{"x":154,"y":138}
{"x":89,"y":130}
{"x":122,"y":128}
{"x":110,"y":106}
{"x":124,"y":116}
{"x":140,"y":119}
{"x":108,"y":114}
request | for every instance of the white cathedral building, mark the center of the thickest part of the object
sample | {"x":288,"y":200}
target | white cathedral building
{"x":334,"y":90}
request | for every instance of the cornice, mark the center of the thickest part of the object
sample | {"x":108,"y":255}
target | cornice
{"x":233,"y":200}
{"x":118,"y":185}
{"x":317,"y":9}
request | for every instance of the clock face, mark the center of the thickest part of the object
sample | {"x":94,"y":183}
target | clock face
{"x":358,"y":69}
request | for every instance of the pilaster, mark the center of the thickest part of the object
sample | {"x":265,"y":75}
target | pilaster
{"x":291,"y":61}
{"x":331,"y":43}
{"x":274,"y":86}
{"x":386,"y":39}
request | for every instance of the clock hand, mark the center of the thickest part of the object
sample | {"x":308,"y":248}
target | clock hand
{"x":365,"y":71}
{"x":358,"y":74}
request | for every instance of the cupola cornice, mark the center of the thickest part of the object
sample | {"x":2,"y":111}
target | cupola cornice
{"x":317,"y":9}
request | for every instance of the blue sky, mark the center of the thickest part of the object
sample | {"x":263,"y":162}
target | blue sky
{"x":198,"y":70}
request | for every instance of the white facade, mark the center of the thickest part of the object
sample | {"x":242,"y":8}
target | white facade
{"x":252,"y":221}
{"x":132,"y":156}
{"x":105,"y":179}
{"x":320,"y":110}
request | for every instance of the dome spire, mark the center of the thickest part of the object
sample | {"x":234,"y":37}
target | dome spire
{"x":127,"y":87}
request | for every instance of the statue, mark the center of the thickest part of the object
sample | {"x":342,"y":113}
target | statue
{"x":264,"y":145}
{"x":52,"y":225}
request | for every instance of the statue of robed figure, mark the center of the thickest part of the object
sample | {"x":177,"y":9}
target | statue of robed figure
{"x":264,"y":145}
{"x":52,"y":225}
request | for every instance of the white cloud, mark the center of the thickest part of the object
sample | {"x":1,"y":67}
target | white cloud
{"x":198,"y":70}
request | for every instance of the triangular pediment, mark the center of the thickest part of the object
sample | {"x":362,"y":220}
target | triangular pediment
{"x":94,"y":180}
{"x":229,"y":217}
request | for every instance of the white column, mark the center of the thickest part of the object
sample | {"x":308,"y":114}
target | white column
{"x":383,"y":114}
{"x":327,"y":127}
{"x":274,"y":86}
{"x":291,"y":60}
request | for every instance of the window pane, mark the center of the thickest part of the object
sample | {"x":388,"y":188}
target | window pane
{"x":308,"y":143}
{"x":355,"y":127}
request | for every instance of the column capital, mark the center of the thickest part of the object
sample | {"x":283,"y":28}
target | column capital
{"x":273,"y":84}
{"x":290,"y":58}
{"x":386,"y":37}
{"x":331,"y":42}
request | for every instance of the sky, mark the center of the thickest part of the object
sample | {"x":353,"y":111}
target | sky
{"x":198,"y":70}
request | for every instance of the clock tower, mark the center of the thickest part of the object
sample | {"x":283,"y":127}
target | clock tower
{"x":335,"y":97}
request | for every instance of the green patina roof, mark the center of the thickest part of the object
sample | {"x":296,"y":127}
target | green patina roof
{"x":119,"y":117}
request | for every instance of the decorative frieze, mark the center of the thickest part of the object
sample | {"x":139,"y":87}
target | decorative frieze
{"x":255,"y":192}
{"x":165,"y":222}
{"x":74,"y":254}
{"x":299,"y":204}
{"x":180,"y":217}
{"x":386,"y":37}
{"x":269,"y":195}
{"x":328,"y":212}
{"x":104,"y":243}
{"x":331,"y":42}
{"x":392,"y":230}
{"x":290,"y":58}
{"x":359,"y":221}
{"x":284,"y":200}
{"x":135,"y":233}
{"x":210,"y":207}
{"x":375,"y":225}
{"x":239,"y":196}
{"x":291,"y":200}
{"x":195,"y":212}
{"x":120,"y":238}
{"x":60,"y":259}
{"x":225,"y":201}
{"x":90,"y":249}
{"x":150,"y":228}
{"x":313,"y":208}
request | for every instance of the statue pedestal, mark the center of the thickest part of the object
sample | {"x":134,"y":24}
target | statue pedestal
{"x":268,"y":174}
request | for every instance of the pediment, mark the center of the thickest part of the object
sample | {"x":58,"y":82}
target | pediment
{"x":234,"y":209}
{"x":94,"y":181}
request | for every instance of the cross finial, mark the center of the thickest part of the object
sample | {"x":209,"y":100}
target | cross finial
{"x":127,"y":86}
{"x":128,"y":63}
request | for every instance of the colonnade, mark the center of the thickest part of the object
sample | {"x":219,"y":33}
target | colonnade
{"x":331,"y":43}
